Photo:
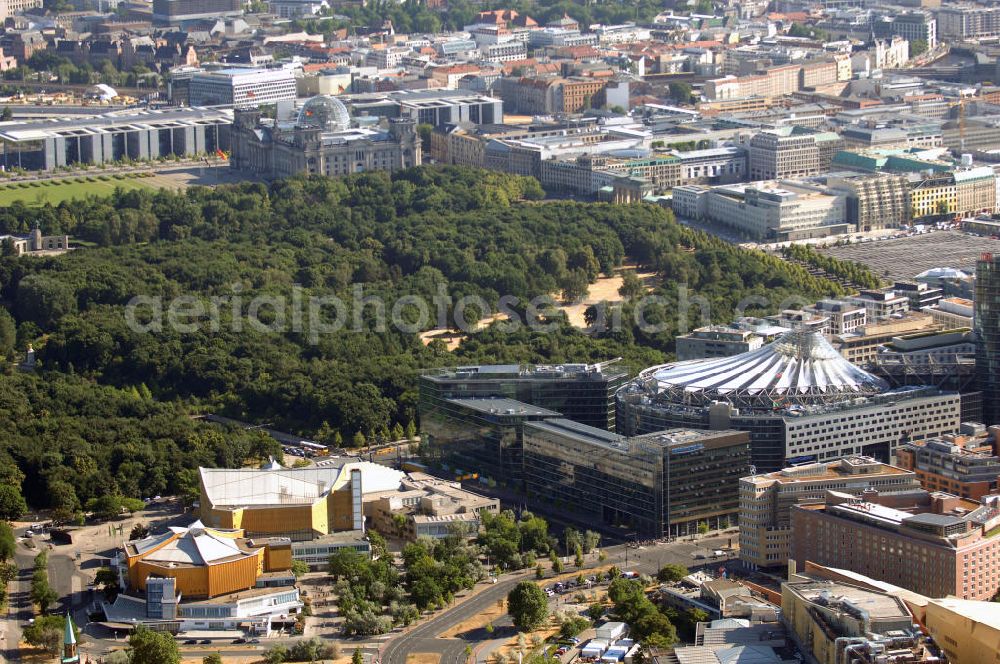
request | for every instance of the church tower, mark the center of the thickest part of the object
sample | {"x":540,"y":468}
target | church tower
{"x":70,"y":653}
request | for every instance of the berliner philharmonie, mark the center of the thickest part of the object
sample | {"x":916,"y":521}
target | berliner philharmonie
{"x":797,"y":397}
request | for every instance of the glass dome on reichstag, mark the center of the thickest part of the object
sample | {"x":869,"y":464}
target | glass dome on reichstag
{"x":325,"y":112}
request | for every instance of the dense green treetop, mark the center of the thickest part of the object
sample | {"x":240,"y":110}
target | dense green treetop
{"x":109,"y":409}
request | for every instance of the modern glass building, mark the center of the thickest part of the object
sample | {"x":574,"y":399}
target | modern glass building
{"x":664,"y":483}
{"x":478,"y":437}
{"x":584,"y":393}
{"x":987,"y":326}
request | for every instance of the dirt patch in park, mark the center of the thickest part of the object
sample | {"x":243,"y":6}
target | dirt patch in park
{"x":476,"y":622}
{"x":423,"y":658}
{"x":605,"y":289}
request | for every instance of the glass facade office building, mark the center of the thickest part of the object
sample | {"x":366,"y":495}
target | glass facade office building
{"x":654,"y":485}
{"x":584,"y":393}
{"x":987,"y":325}
{"x":482,"y":437}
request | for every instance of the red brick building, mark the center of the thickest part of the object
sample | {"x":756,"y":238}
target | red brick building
{"x":934,"y":544}
{"x":965,"y":465}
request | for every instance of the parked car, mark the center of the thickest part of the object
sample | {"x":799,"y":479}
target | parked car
{"x":191,"y":642}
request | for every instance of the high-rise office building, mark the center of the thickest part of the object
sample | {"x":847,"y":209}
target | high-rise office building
{"x":478,"y":437}
{"x":777,"y":154}
{"x":987,"y":326}
{"x":242,"y":88}
{"x":169,"y":12}
{"x":663,"y":483}
{"x":766,"y":500}
{"x":584,"y":393}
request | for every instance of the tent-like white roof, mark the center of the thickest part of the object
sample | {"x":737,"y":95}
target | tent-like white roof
{"x":942,"y":273}
{"x":193,"y":545}
{"x":800,"y":367}
{"x":290,"y":486}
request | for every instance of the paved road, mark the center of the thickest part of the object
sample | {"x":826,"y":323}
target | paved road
{"x":18,"y":603}
{"x":423,"y":638}
{"x":70,"y":583}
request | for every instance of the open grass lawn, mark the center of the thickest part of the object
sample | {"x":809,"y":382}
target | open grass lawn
{"x":57,"y":191}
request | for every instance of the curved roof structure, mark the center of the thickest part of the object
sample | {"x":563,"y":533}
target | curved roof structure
{"x":326,"y":112}
{"x":799,"y":368}
{"x":227,"y":488}
{"x":194,"y":545}
{"x":943,"y":273}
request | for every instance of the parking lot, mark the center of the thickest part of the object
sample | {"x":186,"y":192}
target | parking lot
{"x":906,"y":257}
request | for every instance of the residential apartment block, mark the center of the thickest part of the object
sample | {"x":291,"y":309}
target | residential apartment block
{"x":952,"y":312}
{"x":874,"y":201}
{"x":881,"y":304}
{"x":844,"y":317}
{"x":967,"y":21}
{"x":861,"y":346}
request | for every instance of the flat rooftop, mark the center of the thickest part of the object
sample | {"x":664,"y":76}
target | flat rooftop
{"x":342,"y":537}
{"x":833,"y":470}
{"x":574,"y":371}
{"x":878,"y":605}
{"x":114,"y":123}
{"x":504,"y":406}
{"x":582,"y":433}
{"x":238,"y":596}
